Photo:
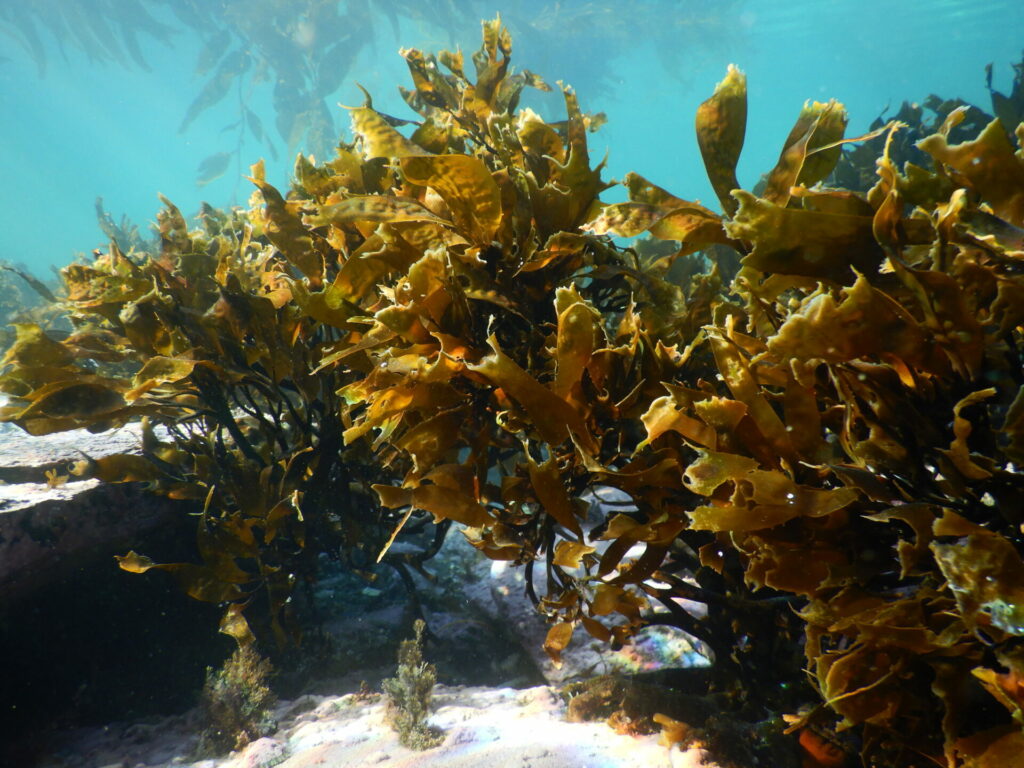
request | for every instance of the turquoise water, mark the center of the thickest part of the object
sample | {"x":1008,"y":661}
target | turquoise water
{"x":86,"y":129}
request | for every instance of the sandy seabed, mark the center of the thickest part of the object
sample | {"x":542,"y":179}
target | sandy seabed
{"x":491,"y":727}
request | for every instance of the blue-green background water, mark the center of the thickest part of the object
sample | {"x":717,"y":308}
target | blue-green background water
{"x":88,"y":129}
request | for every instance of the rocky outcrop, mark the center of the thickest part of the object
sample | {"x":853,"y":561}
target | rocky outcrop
{"x":86,"y":641}
{"x":52,"y":527}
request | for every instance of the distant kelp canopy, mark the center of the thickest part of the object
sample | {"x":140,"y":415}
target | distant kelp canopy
{"x":304,"y":50}
{"x":815,"y":400}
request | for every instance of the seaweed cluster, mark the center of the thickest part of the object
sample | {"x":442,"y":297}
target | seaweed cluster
{"x":409,"y":694}
{"x":236,"y":703}
{"x":814,"y":400}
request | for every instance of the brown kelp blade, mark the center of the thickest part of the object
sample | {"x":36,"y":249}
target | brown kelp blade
{"x":819,"y":125}
{"x":721,"y":126}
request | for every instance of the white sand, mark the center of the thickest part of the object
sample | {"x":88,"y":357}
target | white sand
{"x":495,"y":728}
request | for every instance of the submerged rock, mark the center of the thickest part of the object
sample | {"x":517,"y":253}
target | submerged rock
{"x":52,"y":525}
{"x":91,"y":642}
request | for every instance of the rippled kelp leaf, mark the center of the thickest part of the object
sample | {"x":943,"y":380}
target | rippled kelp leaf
{"x":989,"y":229}
{"x":992,"y":748}
{"x":898,"y":623}
{"x":386,"y":406}
{"x":274,"y":519}
{"x":920,"y":517}
{"x":234,"y":624}
{"x":550,"y":414}
{"x":861,"y":684}
{"x":713,"y":468}
{"x":118,"y":468}
{"x":374,"y":208}
{"x":539,"y":138}
{"x":838,"y":201}
{"x":951,"y":320}
{"x":764,"y":499}
{"x":428,"y":441}
{"x":445,"y":492}
{"x":1008,"y":307}
{"x":1013,"y":427}
{"x":286,"y":231}
{"x":578,"y":324}
{"x":719,"y":412}
{"x":379,"y":139}
{"x":564,"y":247}
{"x":989,"y":165}
{"x":886,"y":195}
{"x":375,"y":337}
{"x":466,"y":186}
{"x":552,"y":494}
{"x":569,"y":554}
{"x":818,"y":125}
{"x":667,"y":414}
{"x":33,"y":348}
{"x":105,"y":285}
{"x":721,"y":127}
{"x":156,"y":371}
{"x":802,"y":242}
{"x":689,"y":223}
{"x":381,"y":254}
{"x":735,"y":368}
{"x":1006,"y":687}
{"x":490,"y":70}
{"x":561,"y":204}
{"x":986,"y":575}
{"x":436,"y":136}
{"x":320,"y":181}
{"x":863,"y":323}
{"x":432,"y":86}
{"x":82,"y":399}
{"x":958,"y":451}
{"x":557,"y":640}
{"x":799,"y":563}
{"x":19,"y":381}
{"x":803,"y":421}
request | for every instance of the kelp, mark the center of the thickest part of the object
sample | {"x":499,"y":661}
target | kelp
{"x":865,"y":314}
{"x":954,"y":119}
{"x":812,"y":401}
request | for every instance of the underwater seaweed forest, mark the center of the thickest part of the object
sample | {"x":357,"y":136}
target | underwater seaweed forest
{"x":813,"y":397}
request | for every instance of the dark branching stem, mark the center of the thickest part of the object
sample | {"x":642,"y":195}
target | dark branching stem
{"x":213,"y":395}
{"x":440,"y":532}
{"x":407,"y":581}
{"x":687,"y":591}
{"x":530,"y":591}
{"x":259,"y":414}
{"x":273,"y":392}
